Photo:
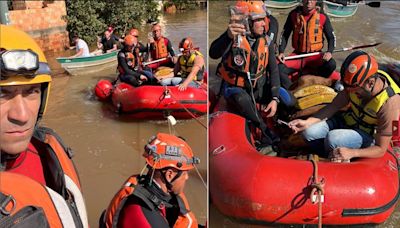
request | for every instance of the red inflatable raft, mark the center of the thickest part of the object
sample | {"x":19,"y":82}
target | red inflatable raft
{"x":250,"y":186}
{"x":157,"y":102}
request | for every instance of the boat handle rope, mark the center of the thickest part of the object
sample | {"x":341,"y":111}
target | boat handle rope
{"x":187,"y":110}
{"x":317,"y":189}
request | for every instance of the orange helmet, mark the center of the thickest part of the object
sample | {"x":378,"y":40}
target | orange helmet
{"x":164,"y":150}
{"x":134,"y":32}
{"x":255,"y":9}
{"x":358,"y":67}
{"x":129,"y":40}
{"x":186,"y":44}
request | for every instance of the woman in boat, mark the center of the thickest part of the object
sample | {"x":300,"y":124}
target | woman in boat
{"x":156,"y":199}
{"x":365,"y":130}
{"x":252,"y":55}
{"x":189,"y":68}
{"x":308,"y":25}
{"x":129,"y":65}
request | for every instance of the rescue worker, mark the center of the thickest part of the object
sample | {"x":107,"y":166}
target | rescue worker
{"x":365,"y":130}
{"x":189,"y":68}
{"x":39,"y":185}
{"x":138,"y":49}
{"x":129,"y":66}
{"x":248,"y":68}
{"x":156,"y":199}
{"x":308,"y":25}
{"x":161,"y":48}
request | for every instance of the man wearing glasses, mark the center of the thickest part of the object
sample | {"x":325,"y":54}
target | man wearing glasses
{"x":365,"y":129}
{"x":161,"y":48}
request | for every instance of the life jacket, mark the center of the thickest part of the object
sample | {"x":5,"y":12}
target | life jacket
{"x":364,"y":117}
{"x":160,"y":48}
{"x":307,"y":35}
{"x":130,"y":60}
{"x":254,"y":62}
{"x":59,"y":204}
{"x":134,"y":187}
{"x":187,"y":64}
{"x":266,"y":26}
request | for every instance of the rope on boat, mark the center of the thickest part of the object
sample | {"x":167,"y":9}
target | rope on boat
{"x":201,"y":178}
{"x":317,"y":187}
{"x":187,"y":110}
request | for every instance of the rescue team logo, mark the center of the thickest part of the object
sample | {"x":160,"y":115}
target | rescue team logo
{"x":173,"y":151}
{"x":352,"y":68}
{"x":238,"y":59}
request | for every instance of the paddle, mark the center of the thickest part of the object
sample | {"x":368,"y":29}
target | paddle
{"x":162,"y":59}
{"x":336,"y":50}
{"x":373,"y":4}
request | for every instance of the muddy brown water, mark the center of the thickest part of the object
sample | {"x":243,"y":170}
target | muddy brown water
{"x":108,"y":147}
{"x":368,"y":25}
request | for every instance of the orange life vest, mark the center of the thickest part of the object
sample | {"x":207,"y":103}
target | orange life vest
{"x":237,"y":76}
{"x":133,"y":187}
{"x":130,"y":60}
{"x":266,"y":26}
{"x":160,"y":49}
{"x":60,"y":204}
{"x":307,"y":36}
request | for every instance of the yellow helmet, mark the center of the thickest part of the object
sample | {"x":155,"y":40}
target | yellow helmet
{"x":22,"y":62}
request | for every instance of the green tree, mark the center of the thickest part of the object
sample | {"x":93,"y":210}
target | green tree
{"x":82,"y":18}
{"x":125,"y":14}
{"x":90,"y":18}
{"x":181,"y":4}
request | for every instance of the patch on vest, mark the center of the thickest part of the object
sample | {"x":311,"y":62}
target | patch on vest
{"x":239,"y":60}
{"x":173,"y":151}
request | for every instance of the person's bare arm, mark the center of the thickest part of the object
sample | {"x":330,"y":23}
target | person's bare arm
{"x":79,"y":53}
{"x":112,"y":49}
{"x":197,"y":65}
{"x":340,"y":101}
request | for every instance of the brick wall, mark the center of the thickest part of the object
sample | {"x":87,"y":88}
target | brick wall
{"x":45,"y":25}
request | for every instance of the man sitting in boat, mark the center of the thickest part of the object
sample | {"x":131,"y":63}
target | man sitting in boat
{"x":365,"y":130}
{"x":82,"y":49}
{"x":190,"y":66}
{"x":160,"y":48}
{"x":308,"y":25}
{"x":129,"y":67}
{"x":156,"y":199}
{"x":40,"y":186}
{"x":246,"y":61}
{"x":107,"y":43}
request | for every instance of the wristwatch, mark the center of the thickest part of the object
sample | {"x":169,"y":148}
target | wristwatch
{"x":276,"y":99}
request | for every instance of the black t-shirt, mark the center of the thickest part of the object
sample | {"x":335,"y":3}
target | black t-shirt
{"x":108,"y":44}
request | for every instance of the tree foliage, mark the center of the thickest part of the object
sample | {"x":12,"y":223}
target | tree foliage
{"x":181,"y":4}
{"x":90,"y":18}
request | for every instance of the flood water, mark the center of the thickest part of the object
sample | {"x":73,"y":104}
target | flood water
{"x":368,"y":25}
{"x":108,"y":147}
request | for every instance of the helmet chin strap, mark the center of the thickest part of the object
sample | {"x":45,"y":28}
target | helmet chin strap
{"x":169,"y":183}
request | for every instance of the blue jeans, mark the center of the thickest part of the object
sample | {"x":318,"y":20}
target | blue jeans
{"x":176,"y":81}
{"x":327,"y":135}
